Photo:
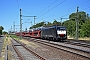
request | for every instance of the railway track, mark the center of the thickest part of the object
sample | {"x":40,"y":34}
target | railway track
{"x":78,"y":50}
{"x":24,"y":53}
{"x":78,"y":43}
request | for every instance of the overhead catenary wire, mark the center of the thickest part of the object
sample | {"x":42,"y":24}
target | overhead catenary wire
{"x":26,"y":12}
{"x":55,"y":7}
{"x":83,"y":3}
{"x":47,"y":7}
{"x":18,"y":4}
{"x":26,"y":21}
{"x":52,"y":8}
{"x":86,"y":6}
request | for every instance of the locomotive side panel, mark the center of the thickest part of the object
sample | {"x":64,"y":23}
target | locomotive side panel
{"x":48,"y":33}
{"x":54,"y":33}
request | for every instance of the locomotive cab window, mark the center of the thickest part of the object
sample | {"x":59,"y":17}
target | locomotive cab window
{"x":61,"y":28}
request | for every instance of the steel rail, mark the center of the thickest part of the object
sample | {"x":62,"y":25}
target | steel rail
{"x":30,"y":50}
{"x":18,"y":53}
{"x":65,"y":48}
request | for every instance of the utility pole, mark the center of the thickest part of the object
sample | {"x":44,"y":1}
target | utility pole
{"x":11,"y":29}
{"x":31,"y":23}
{"x":14,"y":26}
{"x":20,"y":25}
{"x":31,"y":16}
{"x":34,"y":20}
{"x":77,"y":24}
{"x":61,"y":20}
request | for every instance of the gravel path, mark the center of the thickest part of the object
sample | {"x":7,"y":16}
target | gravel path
{"x":1,"y":43}
{"x":50,"y":53}
{"x":23,"y":52}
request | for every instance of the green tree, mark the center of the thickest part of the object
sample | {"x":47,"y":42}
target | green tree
{"x":81,"y":17}
{"x":85,"y":29}
{"x":1,"y":28}
{"x":56,"y":23}
{"x":83,"y":24}
{"x":4,"y":32}
{"x":70,"y":26}
{"x":49,"y":24}
{"x":37,"y":25}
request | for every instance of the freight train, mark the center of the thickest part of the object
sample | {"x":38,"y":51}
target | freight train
{"x":50,"y":33}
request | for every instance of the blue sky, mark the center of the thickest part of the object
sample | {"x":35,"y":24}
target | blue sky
{"x":45,"y":10}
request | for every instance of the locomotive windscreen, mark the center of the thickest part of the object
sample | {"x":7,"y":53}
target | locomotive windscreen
{"x":61,"y":28}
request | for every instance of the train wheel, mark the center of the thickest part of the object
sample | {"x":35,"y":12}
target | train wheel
{"x":53,"y":39}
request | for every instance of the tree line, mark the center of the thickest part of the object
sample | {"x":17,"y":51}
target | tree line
{"x":1,"y":30}
{"x":83,"y":24}
{"x":70,"y":24}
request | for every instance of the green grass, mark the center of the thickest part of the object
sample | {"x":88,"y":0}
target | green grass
{"x":85,"y":38}
{"x":15,"y":37}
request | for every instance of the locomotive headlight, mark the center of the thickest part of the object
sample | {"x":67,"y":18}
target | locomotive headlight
{"x":61,"y":32}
